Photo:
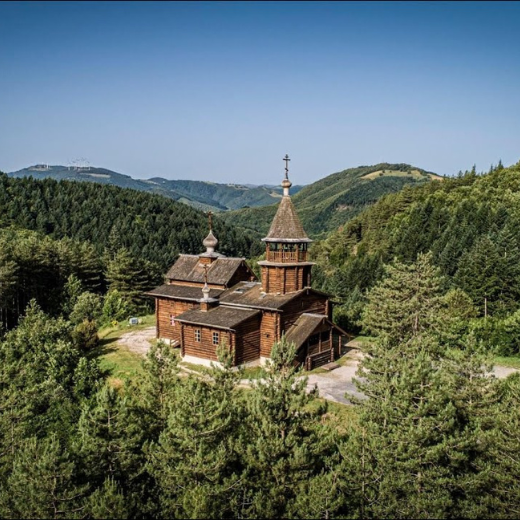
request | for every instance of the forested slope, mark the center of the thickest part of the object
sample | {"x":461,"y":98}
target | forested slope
{"x":469,"y":223}
{"x":106,"y":238}
{"x":335,"y":199}
{"x":149,"y":226}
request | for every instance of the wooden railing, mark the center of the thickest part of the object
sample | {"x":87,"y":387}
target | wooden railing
{"x":319,"y":359}
{"x":286,"y":256}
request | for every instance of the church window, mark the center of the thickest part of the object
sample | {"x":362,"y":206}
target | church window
{"x":215,"y":338}
{"x":172,"y":320}
{"x":197,"y":335}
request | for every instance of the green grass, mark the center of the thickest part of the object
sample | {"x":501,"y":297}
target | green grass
{"x":120,"y":363}
{"x":252,"y":373}
{"x":115,"y":331}
{"x":507,"y":361}
{"x":117,"y":361}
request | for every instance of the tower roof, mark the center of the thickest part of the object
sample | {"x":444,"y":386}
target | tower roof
{"x":286,"y":226}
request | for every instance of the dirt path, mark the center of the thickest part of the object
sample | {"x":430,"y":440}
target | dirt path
{"x":138,"y":341}
{"x":332,"y":385}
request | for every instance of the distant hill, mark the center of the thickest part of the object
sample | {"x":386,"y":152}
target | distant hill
{"x":151,"y":227}
{"x":330,"y":202}
{"x":198,"y":194}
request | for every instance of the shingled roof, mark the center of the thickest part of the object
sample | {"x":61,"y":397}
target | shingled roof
{"x":219,"y":317}
{"x":286,"y":226}
{"x":182,"y":292}
{"x":304,"y":326}
{"x":188,"y":269}
{"x":250,"y":294}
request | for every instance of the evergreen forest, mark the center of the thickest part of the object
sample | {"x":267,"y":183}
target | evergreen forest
{"x":107,"y":238}
{"x":468,"y":224}
{"x":430,"y":273}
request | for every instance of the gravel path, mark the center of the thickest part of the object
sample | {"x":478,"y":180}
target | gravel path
{"x":138,"y":341}
{"x":332,"y":385}
{"x":335,"y":384}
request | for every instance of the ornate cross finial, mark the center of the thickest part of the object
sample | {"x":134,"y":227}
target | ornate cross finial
{"x":286,"y":159}
{"x":210,"y":220}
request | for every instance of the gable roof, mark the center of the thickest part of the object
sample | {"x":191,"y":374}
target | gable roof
{"x":219,"y":317}
{"x":286,"y":225}
{"x":188,"y":269}
{"x":182,"y":292}
{"x":305,"y":326}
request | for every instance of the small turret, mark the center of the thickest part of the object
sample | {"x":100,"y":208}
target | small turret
{"x":207,"y":303}
{"x":210,"y":243}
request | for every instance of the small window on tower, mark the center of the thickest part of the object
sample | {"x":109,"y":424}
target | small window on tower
{"x":197,"y":335}
{"x":215,"y":338}
{"x":172,"y":320}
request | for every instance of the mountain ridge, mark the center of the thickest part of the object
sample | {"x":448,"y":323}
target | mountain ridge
{"x":333,"y":200}
{"x":203,"y":195}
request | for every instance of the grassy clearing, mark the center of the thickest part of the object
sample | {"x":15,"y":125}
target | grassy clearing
{"x":414,"y":174}
{"x":252,"y":373}
{"x":115,"y":331}
{"x":512,"y":361}
{"x":117,"y":361}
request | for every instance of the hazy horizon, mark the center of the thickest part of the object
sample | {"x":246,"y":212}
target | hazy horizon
{"x":221,"y":91}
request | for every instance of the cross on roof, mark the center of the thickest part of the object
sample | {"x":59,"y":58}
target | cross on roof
{"x":286,"y":159}
{"x":210,"y":220}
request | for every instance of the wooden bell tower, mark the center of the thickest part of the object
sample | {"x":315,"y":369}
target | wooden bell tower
{"x":286,"y":268}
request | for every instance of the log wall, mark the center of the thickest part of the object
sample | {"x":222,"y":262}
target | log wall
{"x":247,"y":341}
{"x":278,"y":279}
{"x":313,"y":303}
{"x":163,"y":309}
{"x":242,"y":274}
{"x":318,"y":360}
{"x":269,"y":332}
{"x":205,"y":348}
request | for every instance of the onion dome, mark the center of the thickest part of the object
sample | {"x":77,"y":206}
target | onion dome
{"x":210,"y":242}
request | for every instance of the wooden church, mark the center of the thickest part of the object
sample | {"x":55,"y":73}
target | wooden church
{"x":209,"y":299}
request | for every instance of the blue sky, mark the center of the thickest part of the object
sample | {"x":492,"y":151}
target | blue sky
{"x":223,"y":90}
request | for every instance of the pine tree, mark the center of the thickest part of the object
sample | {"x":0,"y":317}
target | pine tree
{"x":407,"y":301}
{"x":131,"y":277}
{"x":107,"y":502}
{"x":41,"y":484}
{"x":195,"y":461}
{"x":286,"y":445}
{"x":505,"y":455}
{"x":425,"y":431}
{"x":109,"y":437}
{"x":479,"y":275}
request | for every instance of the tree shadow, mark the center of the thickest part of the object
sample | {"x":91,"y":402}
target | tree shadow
{"x":105,"y":346}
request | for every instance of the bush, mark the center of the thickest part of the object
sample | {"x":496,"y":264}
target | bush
{"x":85,"y":336}
{"x":500,"y":335}
{"x":88,"y":307}
{"x":115,"y":307}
